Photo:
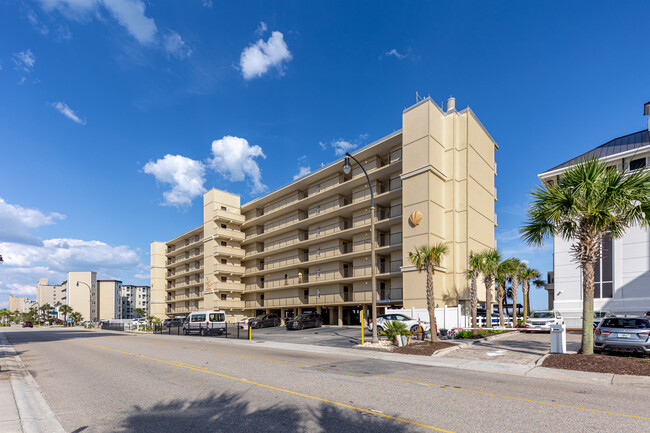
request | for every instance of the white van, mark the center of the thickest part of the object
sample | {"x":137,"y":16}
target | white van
{"x":205,"y":322}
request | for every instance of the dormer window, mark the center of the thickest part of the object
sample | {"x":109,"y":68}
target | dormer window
{"x":637,"y":164}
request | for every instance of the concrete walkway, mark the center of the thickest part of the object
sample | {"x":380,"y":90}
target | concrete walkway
{"x":23,"y":409}
{"x":512,"y":348}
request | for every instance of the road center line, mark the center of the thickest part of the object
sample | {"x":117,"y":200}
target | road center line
{"x":421,"y":383}
{"x":203,"y":370}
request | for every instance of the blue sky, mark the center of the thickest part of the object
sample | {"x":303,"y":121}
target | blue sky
{"x":94,"y":94}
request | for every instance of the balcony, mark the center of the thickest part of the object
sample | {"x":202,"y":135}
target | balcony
{"x":228,"y":287}
{"x":230,"y":304}
{"x":228,"y":234}
{"x":228,"y":269}
{"x":392,"y":294}
{"x":231,"y":217}
{"x":230,"y":252}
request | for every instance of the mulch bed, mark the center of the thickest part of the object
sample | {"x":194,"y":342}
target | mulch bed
{"x":425,"y":348}
{"x":600,"y":364}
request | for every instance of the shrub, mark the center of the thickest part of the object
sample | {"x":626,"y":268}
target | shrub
{"x":394,"y":329}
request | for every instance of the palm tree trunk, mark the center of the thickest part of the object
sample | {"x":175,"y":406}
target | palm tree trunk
{"x":515,"y":288}
{"x":431,"y":305}
{"x":525,"y":288}
{"x":489,"y":283}
{"x":587,"y":347}
{"x":474,"y":302}
{"x":500,"y":303}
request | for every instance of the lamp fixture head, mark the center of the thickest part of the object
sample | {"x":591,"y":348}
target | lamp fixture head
{"x":347,"y":168}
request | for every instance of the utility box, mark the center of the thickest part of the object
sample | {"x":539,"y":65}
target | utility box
{"x":558,"y":339}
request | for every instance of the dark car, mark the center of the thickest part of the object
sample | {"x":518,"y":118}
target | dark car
{"x":623,"y":333}
{"x":305,"y":321}
{"x":176,"y":322}
{"x":28,"y":324}
{"x":265,"y":320}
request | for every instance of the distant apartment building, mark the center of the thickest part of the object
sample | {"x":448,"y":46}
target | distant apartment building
{"x":94,"y":299}
{"x":134,"y":297}
{"x":22,"y":304}
{"x":306,"y":246}
{"x":622,"y":273}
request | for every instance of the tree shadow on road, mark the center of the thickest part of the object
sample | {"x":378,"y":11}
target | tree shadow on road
{"x":230,"y":412}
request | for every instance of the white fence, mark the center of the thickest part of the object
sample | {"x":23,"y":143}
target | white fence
{"x":446,"y":317}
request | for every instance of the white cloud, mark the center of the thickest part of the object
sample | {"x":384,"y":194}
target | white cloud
{"x":341,"y":146}
{"x":261,"y":29}
{"x":302,"y":172}
{"x":185,"y":175}
{"x":256,"y":59}
{"x":68,"y":112}
{"x":16,"y":222}
{"x":129,"y":13}
{"x":395,"y":54}
{"x":36,"y":22}
{"x":234,"y":158}
{"x":24,"y":60}
{"x":207,"y":4}
{"x":175,"y":45}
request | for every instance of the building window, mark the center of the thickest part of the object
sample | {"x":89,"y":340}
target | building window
{"x":318,"y":273}
{"x":224,"y":244}
{"x":223,"y":226}
{"x":305,"y":295}
{"x":317,"y":230}
{"x":224,"y":261}
{"x":223,"y":208}
{"x":604,"y":270}
{"x":318,"y":251}
{"x":224,"y":279}
{"x":318,"y":188}
{"x":637,"y":164}
{"x":223,"y":296}
{"x":318,"y":209}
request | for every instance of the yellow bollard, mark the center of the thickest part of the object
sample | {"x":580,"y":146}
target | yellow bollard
{"x":362,"y":336}
{"x":250,"y":332}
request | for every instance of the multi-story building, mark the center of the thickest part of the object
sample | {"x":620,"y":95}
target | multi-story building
{"x":53,"y":294}
{"x":306,"y":246}
{"x":110,"y":299}
{"x":22,"y":304}
{"x":622,"y":274}
{"x":134,"y":297}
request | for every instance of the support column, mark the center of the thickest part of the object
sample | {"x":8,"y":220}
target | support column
{"x":339,"y":318}
{"x":318,"y":310}
{"x":282,"y":314}
{"x":299,"y":311}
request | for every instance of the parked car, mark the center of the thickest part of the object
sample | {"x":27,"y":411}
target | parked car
{"x":411,"y":324}
{"x":310,"y":320}
{"x":623,"y":333}
{"x":86,"y":323}
{"x":542,"y":320}
{"x":265,"y":320}
{"x":205,"y":322}
{"x":175,"y":322}
{"x":243,"y":324}
{"x":599,"y":316}
{"x":28,"y":324}
{"x":495,"y":318}
{"x":139,"y":322}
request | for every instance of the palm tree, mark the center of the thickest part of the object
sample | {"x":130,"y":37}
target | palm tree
{"x":527,"y":274}
{"x":473,"y":271}
{"x":501,"y":277}
{"x":428,"y":258}
{"x":45,"y":311}
{"x":76,"y":317}
{"x":65,"y":310}
{"x":514,"y":275}
{"x":589,"y":201}
{"x":140,"y":312}
{"x":489,"y":267}
{"x":4,"y":314}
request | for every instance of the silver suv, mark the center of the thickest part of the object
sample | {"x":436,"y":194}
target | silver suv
{"x":623,"y":333}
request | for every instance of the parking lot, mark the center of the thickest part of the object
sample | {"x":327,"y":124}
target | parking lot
{"x":335,"y":336}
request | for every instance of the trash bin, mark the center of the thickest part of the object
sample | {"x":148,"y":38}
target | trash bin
{"x":558,"y":339}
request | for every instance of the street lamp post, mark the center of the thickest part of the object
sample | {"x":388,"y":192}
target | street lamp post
{"x":347,"y":169}
{"x":90,"y":292}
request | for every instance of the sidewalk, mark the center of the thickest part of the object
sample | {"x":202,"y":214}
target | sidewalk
{"x":23,"y":409}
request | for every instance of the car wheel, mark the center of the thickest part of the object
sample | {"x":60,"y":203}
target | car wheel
{"x":276,"y":323}
{"x":186,"y":331}
{"x":301,"y":326}
{"x":414,"y":329}
{"x":319,"y":324}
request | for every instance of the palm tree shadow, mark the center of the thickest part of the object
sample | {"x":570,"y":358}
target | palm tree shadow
{"x":230,"y":412}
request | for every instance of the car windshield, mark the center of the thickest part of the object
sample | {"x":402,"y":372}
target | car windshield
{"x":625,"y":323}
{"x":259,"y":317}
{"x":541,"y":315}
{"x":303,"y":317}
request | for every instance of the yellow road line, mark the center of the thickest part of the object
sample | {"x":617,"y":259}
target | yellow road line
{"x":420,"y":383}
{"x":203,"y":370}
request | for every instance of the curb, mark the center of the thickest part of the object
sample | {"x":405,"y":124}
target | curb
{"x":35,"y":413}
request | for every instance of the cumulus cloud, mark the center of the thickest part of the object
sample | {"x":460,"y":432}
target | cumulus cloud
{"x":341,"y":146}
{"x":258,"y":58}
{"x":68,"y":112}
{"x":234,"y":158}
{"x":185,"y":175}
{"x":16,"y":222}
{"x":207,"y":4}
{"x":302,"y":172}
{"x":129,"y":13}
{"x":395,"y":54}
{"x":24,"y":60}
{"x":175,"y":45}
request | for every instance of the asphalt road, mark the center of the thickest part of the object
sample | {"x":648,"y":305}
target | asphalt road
{"x":333,"y":336}
{"x":97,"y":381}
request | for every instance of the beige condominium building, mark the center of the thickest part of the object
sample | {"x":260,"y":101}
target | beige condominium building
{"x":306,"y":246}
{"x":22,"y":304}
